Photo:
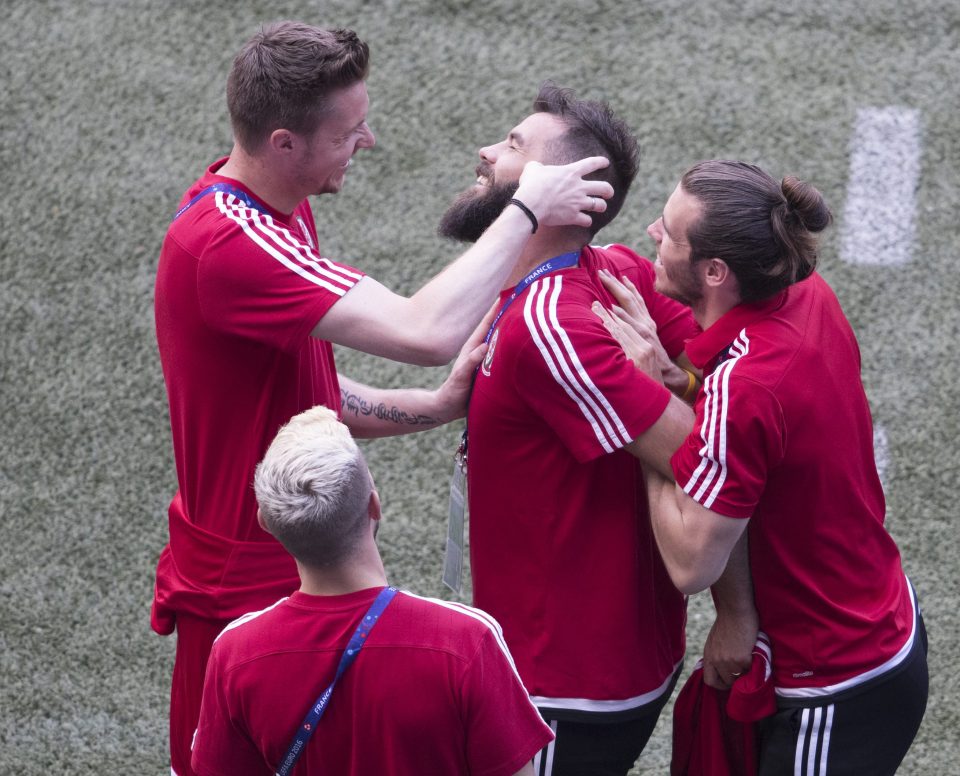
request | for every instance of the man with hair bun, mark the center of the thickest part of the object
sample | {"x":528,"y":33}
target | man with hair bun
{"x":248,"y":308}
{"x":781,"y":457}
{"x":432,"y":690}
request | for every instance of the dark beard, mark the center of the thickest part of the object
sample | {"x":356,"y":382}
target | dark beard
{"x":472,"y":212}
{"x":687,"y":287}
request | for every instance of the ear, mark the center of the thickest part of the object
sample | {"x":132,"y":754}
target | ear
{"x":373,"y":506}
{"x":717,"y":273}
{"x":263,"y":525}
{"x":282,"y":141}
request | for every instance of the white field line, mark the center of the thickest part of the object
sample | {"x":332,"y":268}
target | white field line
{"x":878,"y":219}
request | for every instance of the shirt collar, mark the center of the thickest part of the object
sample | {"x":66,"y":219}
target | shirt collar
{"x":707,"y":346}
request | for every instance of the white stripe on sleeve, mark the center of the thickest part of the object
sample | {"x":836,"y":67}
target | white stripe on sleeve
{"x":564,"y":364}
{"x":705,"y":483}
{"x":281,"y":245}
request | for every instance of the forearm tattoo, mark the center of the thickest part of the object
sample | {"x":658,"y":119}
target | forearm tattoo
{"x":356,"y":405}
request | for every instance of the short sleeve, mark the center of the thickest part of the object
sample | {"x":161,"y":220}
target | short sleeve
{"x":573,"y":374}
{"x":262,"y":279}
{"x":504,"y":730}
{"x":220,"y":745}
{"x":737,"y":439}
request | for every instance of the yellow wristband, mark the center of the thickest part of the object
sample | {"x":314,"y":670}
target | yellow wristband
{"x":691,"y":390}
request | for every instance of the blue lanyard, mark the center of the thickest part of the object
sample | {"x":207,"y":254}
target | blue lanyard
{"x":563,"y":261}
{"x":227,"y":188}
{"x":358,"y":639}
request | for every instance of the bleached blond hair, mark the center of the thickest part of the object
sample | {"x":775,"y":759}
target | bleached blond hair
{"x":313,"y":488}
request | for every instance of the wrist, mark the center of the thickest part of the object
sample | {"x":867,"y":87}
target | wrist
{"x":519,"y":203}
{"x":532,"y":195}
{"x":691,"y":387}
{"x":446,"y":407}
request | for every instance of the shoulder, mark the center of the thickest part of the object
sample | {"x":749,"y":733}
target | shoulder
{"x":744,"y":390}
{"x":619,"y":260}
{"x":212,"y":225}
{"x":447,"y":625}
{"x":248,"y":630}
{"x":751,"y":361}
{"x":556,"y":315}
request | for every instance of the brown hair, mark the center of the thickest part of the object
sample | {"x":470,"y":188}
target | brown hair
{"x":765,"y":231}
{"x":593,"y":130}
{"x":283,"y":76}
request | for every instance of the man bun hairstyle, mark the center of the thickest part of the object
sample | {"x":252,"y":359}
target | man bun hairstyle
{"x":283,"y":75}
{"x":765,"y":231}
{"x":592,"y":130}
{"x":313,"y":489}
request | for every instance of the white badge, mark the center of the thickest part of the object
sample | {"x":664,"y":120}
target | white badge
{"x":453,"y":555}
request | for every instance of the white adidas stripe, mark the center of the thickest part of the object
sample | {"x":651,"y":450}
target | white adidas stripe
{"x":813,"y":732}
{"x":480,"y":616}
{"x":245,"y":618}
{"x":282,"y":246}
{"x":707,"y":479}
{"x":827,"y":728}
{"x":489,"y":622}
{"x":560,"y":356}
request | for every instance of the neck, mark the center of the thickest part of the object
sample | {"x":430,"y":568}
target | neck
{"x":262,"y":178}
{"x":545,"y":244}
{"x":361,"y":571}
{"x":712,"y":307}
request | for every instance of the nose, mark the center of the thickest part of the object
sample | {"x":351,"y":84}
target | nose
{"x":367,"y":138}
{"x":489,"y":154}
{"x":655,"y":230}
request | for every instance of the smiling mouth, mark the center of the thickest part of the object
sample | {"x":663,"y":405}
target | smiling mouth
{"x":483,"y":179}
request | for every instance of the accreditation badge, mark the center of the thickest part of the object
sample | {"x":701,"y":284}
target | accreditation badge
{"x":456,"y":518}
{"x":488,"y":358}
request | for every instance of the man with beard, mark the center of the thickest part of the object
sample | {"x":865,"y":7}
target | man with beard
{"x":561,"y":549}
{"x":782,"y":452}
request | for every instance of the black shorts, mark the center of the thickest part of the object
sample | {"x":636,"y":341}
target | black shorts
{"x":858,"y":732}
{"x":597,"y":744}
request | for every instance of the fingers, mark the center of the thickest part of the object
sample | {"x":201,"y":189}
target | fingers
{"x":626,"y":294}
{"x":644,"y":326}
{"x":595,"y":204}
{"x":461,"y":375}
{"x":559,"y":195}
{"x":714,"y":678}
{"x":617,"y":289}
{"x":475,"y":356}
{"x":604,"y":315}
{"x":590,"y":164}
{"x":636,"y":296}
{"x":483,"y":327}
{"x":633,"y":345}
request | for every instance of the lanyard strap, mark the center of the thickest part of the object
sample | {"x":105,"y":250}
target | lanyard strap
{"x":227,"y":188}
{"x":563,"y":261}
{"x":358,"y":639}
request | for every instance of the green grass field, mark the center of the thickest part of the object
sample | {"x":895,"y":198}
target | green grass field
{"x":109,"y":110}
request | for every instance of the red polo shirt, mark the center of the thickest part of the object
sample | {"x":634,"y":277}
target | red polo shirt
{"x":561,"y":546}
{"x":784,"y":436}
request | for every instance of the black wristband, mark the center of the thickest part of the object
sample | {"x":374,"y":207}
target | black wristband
{"x":528,"y":211}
